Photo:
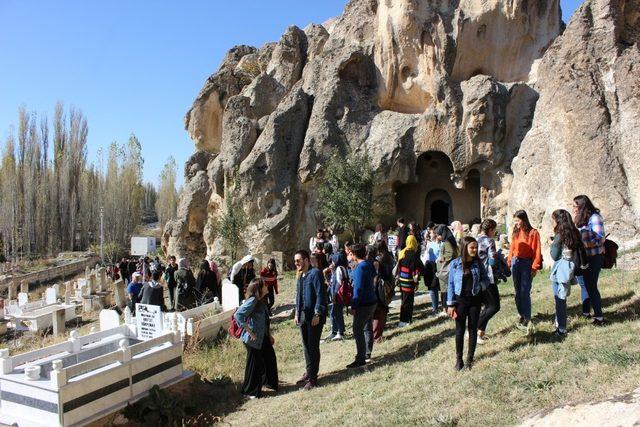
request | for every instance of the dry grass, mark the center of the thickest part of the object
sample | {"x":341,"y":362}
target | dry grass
{"x":412,"y":380}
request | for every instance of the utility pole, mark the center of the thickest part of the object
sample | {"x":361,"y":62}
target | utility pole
{"x":102,"y":234}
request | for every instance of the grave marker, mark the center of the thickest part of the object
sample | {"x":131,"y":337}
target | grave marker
{"x":119,"y":293}
{"x":109,"y":319}
{"x":23,"y":298}
{"x":59,"y":317}
{"x":229,"y":295}
{"x":50,"y":296}
{"x":148,"y":321}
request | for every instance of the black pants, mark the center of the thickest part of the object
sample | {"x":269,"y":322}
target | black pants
{"x":172,"y":294}
{"x":443,"y":298}
{"x":406,"y":307}
{"x":311,"y":344}
{"x":491,"y":301}
{"x":468,"y":310}
{"x":261,"y":368}
{"x":271,"y":297}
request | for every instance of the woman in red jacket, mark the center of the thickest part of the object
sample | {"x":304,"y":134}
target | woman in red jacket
{"x":525,"y":260}
{"x":269,"y":275}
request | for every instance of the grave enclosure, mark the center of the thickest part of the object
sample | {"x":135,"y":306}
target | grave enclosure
{"x":89,"y":377}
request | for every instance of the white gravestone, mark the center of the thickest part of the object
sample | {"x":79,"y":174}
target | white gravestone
{"x":109,"y":319}
{"x":51,"y":296}
{"x":23,"y":298}
{"x":148,"y":321}
{"x":229,"y":295}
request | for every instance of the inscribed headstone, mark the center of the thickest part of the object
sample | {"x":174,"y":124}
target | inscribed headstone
{"x":23,"y":298}
{"x":229,"y":295}
{"x":148,"y":321}
{"x":109,"y":319}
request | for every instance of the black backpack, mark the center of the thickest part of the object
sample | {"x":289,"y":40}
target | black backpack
{"x":579,"y":260}
{"x":610,"y":254}
{"x":384,"y":291}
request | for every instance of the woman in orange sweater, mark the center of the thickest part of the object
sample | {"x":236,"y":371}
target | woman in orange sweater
{"x":525,"y":260}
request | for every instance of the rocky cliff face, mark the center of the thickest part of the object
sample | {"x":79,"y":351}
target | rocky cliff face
{"x":585,"y":137}
{"x":410,"y":82}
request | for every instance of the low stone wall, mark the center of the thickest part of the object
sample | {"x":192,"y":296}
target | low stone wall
{"x":65,"y":271}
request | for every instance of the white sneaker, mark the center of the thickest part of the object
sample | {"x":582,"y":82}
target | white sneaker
{"x":482,"y":340}
{"x":402,"y":324}
{"x":442,"y":314}
{"x":337,"y":337}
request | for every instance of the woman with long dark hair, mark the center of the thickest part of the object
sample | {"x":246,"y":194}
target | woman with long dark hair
{"x":253,"y":317}
{"x":467,"y":277}
{"x":448,"y":252}
{"x":525,"y":260}
{"x":490,"y":295}
{"x":384,"y":267}
{"x":591,"y":225}
{"x":269,"y":275}
{"x":206,"y":279}
{"x":564,"y":245}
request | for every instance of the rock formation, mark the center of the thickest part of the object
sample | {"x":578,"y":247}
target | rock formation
{"x":585,"y":138}
{"x":440,"y":95}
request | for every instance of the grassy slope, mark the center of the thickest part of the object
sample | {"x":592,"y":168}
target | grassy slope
{"x":412,"y":379}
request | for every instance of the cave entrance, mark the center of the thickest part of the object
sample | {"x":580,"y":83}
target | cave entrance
{"x":432,"y":196}
{"x":438,"y":207}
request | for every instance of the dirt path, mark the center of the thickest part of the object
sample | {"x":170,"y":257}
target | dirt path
{"x":617,"y":411}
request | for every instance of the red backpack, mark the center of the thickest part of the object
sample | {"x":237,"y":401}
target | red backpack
{"x":345,"y":291}
{"x":234,"y":329}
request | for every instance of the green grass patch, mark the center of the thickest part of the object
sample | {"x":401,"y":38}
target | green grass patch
{"x":412,"y":378}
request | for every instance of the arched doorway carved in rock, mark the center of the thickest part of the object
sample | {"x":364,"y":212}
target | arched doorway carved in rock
{"x":438,"y":207}
{"x":432,"y":193}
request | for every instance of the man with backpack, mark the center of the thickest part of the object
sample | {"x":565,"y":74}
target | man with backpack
{"x":310,"y":314}
{"x":363,"y":305}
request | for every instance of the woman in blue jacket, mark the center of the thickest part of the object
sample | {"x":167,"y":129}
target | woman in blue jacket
{"x":253,"y":317}
{"x":467,"y":278}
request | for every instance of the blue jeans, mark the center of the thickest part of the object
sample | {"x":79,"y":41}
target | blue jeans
{"x":336,"y":311}
{"x":521,"y":272}
{"x":584,"y":295}
{"x":590,"y":277}
{"x":434,"y":300}
{"x":561,"y":308}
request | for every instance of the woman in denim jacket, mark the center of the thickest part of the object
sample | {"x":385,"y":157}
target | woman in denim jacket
{"x":467,"y":278}
{"x":253,"y":317}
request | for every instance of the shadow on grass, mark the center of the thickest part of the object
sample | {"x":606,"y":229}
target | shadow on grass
{"x":624,"y":313}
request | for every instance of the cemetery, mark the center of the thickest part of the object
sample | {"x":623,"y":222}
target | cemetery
{"x":88,"y":377}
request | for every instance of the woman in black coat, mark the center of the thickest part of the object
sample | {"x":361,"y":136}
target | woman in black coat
{"x":207,"y":279}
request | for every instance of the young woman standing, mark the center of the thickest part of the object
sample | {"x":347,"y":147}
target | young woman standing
{"x":448,"y":252}
{"x":253,"y":317}
{"x":408,"y":273}
{"x":490,"y":295}
{"x":591,"y":225}
{"x":525,"y":260}
{"x":564,"y":244}
{"x":467,"y":277}
{"x":269,"y":275}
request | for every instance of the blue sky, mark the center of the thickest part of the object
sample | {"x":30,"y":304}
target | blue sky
{"x":134,"y":66}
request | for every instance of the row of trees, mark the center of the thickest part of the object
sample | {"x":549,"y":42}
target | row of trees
{"x":51,"y":196}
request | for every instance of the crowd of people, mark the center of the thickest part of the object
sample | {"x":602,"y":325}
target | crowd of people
{"x":460,"y":269}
